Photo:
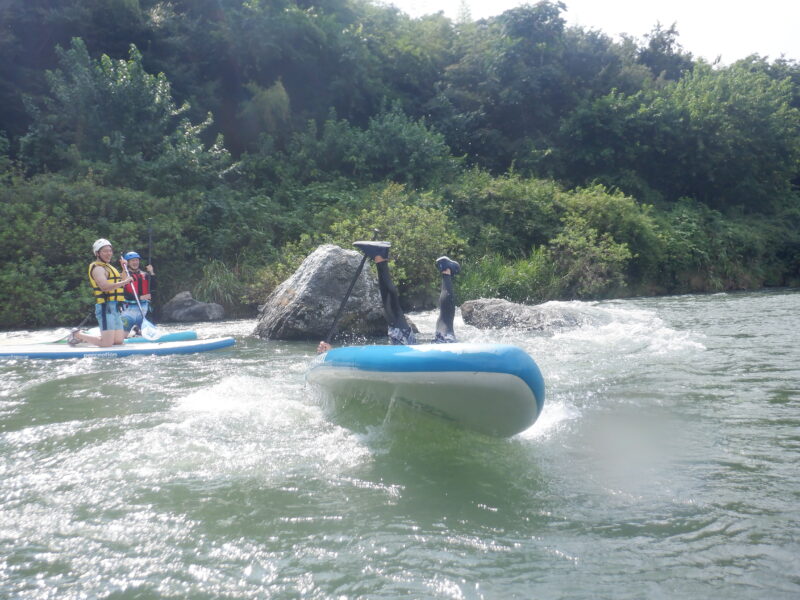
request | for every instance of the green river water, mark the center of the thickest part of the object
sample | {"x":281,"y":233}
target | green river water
{"x":665,"y":465}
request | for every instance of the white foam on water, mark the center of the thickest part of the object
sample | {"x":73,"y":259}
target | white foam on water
{"x":625,"y":329}
{"x":579,"y":364}
{"x":244,"y":327}
{"x":554,"y":415}
{"x":248,"y":414}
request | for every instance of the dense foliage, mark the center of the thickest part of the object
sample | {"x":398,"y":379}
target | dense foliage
{"x":554,"y":161}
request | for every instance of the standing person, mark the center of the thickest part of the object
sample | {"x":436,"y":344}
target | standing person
{"x":107,"y":284}
{"x":144,"y":282}
{"x":400,"y":332}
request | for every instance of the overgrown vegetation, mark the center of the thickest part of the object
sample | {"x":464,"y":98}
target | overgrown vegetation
{"x":553,"y":161}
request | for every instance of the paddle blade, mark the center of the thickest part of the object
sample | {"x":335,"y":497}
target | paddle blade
{"x":150,"y":331}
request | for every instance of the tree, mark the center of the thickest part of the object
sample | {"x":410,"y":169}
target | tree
{"x":32,"y":29}
{"x":741,"y":138}
{"x":663,"y":55}
{"x":727,"y":137}
{"x":508,"y":89}
{"x":116,"y":116}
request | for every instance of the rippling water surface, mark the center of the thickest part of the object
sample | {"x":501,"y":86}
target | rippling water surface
{"x":665,"y":465}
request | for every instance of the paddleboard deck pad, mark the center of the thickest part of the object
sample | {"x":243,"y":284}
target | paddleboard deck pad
{"x":55,"y":351}
{"x":495,"y":389}
{"x":175,"y":336}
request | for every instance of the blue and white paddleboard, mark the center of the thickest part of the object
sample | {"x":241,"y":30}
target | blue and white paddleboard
{"x":52,"y":351}
{"x":491,"y":388}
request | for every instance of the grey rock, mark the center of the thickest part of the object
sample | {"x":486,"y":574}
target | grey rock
{"x":185,"y":309}
{"x":493,"y":313}
{"x":303,"y":307}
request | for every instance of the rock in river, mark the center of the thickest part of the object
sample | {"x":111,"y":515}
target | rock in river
{"x":303,"y":307}
{"x":492,"y":313}
{"x":185,"y":309}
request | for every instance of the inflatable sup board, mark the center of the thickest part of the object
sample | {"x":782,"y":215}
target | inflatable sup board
{"x":491,"y":388}
{"x":53,"y":351}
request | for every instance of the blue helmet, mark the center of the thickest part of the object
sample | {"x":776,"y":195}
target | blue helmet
{"x":130,"y":255}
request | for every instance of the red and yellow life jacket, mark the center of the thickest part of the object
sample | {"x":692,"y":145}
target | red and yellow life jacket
{"x":113,"y":276}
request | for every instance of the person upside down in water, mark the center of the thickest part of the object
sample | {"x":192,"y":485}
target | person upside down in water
{"x":399,"y":331}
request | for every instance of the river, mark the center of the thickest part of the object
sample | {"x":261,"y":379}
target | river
{"x":664,"y":465}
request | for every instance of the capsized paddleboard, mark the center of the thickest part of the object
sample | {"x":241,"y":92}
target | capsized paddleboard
{"x":495,"y":389}
{"x":53,"y":351}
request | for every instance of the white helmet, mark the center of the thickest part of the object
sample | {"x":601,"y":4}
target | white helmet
{"x":99,"y":244}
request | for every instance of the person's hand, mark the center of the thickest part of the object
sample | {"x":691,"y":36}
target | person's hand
{"x":149,"y":269}
{"x":123,"y":263}
{"x":323,"y":346}
{"x":145,"y":297}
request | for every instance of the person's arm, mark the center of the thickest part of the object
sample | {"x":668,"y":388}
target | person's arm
{"x":323,"y":346}
{"x":99,"y":275}
{"x":151,"y":282}
{"x":152,"y":277}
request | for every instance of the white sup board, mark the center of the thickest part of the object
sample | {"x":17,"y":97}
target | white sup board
{"x":55,"y":351}
{"x":491,"y":388}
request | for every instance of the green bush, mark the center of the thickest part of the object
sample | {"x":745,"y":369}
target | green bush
{"x":590,"y":264}
{"x":624,"y":221}
{"x":506,"y":215}
{"x":420,"y":231}
{"x":530,"y":281}
{"x":224,"y":285}
{"x":418,"y":227}
{"x":706,"y":251}
{"x":50,"y":224}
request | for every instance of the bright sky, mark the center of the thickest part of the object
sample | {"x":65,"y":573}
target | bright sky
{"x":707,"y":28}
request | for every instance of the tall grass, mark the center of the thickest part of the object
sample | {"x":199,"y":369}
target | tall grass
{"x":222,"y":285}
{"x":528,"y":280}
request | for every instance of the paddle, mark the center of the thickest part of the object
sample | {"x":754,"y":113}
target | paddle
{"x":150,"y":256}
{"x":332,"y":330}
{"x":81,"y":324}
{"x":149,"y":331}
{"x":149,"y":241}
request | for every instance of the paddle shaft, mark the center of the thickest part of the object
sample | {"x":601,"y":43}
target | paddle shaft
{"x":149,"y":241}
{"x":81,"y":324}
{"x":150,"y":258}
{"x":86,"y":318}
{"x":332,"y":330}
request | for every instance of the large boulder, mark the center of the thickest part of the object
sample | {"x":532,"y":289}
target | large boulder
{"x":185,"y":309}
{"x":303,"y":307}
{"x":493,"y":313}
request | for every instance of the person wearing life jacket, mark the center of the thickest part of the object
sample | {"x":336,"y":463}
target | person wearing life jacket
{"x":143,"y":284}
{"x":107,"y":286}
